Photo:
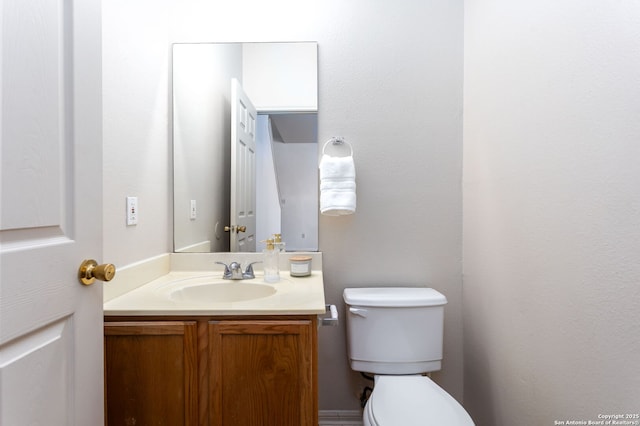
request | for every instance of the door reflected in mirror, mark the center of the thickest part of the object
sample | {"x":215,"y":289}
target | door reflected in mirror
{"x":280,"y":79}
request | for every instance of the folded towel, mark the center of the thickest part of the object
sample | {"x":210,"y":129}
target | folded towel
{"x":337,"y":185}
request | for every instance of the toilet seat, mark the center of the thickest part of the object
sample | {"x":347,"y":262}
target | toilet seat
{"x":412,"y":401}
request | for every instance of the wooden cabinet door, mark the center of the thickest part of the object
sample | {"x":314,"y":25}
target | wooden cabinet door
{"x":262,"y":373}
{"x":151,"y":373}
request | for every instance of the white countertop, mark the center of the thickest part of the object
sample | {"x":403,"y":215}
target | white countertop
{"x":293,"y":296}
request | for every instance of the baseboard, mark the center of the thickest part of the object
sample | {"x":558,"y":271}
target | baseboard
{"x":340,"y":418}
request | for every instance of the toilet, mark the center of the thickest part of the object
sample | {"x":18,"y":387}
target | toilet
{"x":396,"y":334}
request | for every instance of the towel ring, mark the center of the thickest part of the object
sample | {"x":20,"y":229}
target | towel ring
{"x":337,"y":140}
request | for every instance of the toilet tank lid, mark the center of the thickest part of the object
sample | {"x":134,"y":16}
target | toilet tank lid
{"x":393,"y":297}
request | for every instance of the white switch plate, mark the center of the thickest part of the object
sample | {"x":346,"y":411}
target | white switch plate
{"x":192,"y":210}
{"x":132,"y":211}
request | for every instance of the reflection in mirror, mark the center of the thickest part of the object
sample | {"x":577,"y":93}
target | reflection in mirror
{"x":281,"y":80}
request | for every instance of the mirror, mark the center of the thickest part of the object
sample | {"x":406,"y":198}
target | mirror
{"x":281,"y":80}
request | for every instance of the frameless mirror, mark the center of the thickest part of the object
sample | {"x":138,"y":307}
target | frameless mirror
{"x":279,"y":182}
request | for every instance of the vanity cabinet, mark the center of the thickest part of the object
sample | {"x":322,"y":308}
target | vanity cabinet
{"x":151,"y":373}
{"x":262,"y":373}
{"x":217,"y":371}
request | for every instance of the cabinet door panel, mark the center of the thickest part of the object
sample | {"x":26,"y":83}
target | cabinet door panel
{"x":151,"y":373}
{"x":262,"y":373}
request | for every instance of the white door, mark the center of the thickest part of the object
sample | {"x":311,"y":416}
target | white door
{"x":243,"y":170}
{"x":51,"y":356}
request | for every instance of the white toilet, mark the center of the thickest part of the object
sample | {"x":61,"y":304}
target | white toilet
{"x":396,"y":334}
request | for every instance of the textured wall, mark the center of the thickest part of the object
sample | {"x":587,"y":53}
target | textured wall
{"x":136,"y":138}
{"x":390,"y":81}
{"x":551,"y":210}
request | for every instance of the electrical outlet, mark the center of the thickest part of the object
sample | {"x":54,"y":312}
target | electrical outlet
{"x":132,"y":211}
{"x":192,"y":210}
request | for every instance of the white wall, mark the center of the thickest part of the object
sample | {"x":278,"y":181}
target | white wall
{"x":136,"y":136}
{"x":551,"y":210}
{"x":390,"y":83}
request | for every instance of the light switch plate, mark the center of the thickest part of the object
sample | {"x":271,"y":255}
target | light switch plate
{"x":132,"y":211}
{"x":192,"y":210}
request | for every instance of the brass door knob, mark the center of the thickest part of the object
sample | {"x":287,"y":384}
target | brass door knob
{"x":90,"y":271}
{"x":235,"y":229}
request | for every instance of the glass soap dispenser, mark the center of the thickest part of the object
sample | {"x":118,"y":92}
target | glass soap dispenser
{"x":270,"y":263}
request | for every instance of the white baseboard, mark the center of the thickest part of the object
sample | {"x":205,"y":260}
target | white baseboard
{"x":340,"y":418}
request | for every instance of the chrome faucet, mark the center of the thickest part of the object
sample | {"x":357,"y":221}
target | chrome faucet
{"x":233,"y":271}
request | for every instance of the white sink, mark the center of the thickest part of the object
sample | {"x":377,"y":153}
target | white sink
{"x":222,"y":291}
{"x":213,"y":290}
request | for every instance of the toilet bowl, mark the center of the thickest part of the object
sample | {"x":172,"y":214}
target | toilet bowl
{"x":396,"y":333}
{"x":412,"y":401}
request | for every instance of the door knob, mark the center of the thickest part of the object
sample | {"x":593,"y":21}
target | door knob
{"x":90,"y":271}
{"x":237,"y":229}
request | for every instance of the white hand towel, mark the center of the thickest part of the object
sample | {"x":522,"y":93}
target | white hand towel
{"x":337,"y":185}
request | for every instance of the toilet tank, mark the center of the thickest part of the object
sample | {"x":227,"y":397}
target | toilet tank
{"x":394,"y":330}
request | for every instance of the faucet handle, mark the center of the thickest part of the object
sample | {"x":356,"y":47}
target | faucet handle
{"x":248,"y":272}
{"x":227,"y":272}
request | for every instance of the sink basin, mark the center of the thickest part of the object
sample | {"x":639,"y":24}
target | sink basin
{"x":221,"y":292}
